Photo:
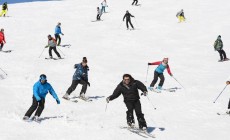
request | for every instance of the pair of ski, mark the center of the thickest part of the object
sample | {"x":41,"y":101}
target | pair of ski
{"x":65,"y":45}
{"x":142,"y":133}
{"x":7,"y":51}
{"x":73,"y":99}
{"x":163,"y":89}
{"x":53,"y":58}
{"x":224,"y":60}
{"x":218,"y":113}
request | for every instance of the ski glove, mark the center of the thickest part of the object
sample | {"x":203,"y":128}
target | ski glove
{"x":171,"y":74}
{"x":149,"y":63}
{"x":107,"y":99}
{"x":88,"y":84}
{"x":38,"y":99}
{"x":83,"y":75}
{"x":58,"y":101}
{"x":228,"y":82}
{"x":145,"y":93}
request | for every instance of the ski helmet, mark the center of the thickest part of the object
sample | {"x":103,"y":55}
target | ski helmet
{"x":43,"y":77}
{"x":2,"y":30}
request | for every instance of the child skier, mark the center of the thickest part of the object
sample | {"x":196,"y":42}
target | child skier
{"x":80,"y":77}
{"x":2,"y":39}
{"x":99,"y":13}
{"x":52,"y":46}
{"x":57,"y":33}
{"x":40,"y":90}
{"x":218,"y":46}
{"x":162,"y":65}
{"x":128,"y":87}
{"x":4,"y":9}
{"x":128,"y":19}
{"x":180,"y":15}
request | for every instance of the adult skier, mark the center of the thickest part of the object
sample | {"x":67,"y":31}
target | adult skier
{"x":52,"y":46}
{"x":103,"y":5}
{"x":134,"y":2}
{"x":80,"y":77}
{"x":40,"y":90}
{"x":57,"y":33}
{"x":128,"y":87}
{"x":2,"y":39}
{"x":228,"y":111}
{"x":128,"y":19}
{"x":99,"y":13}
{"x":218,"y":46}
{"x":162,"y":65}
{"x":4,"y":9}
{"x":180,"y":15}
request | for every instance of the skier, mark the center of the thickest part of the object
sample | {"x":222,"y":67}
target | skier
{"x":40,"y":90}
{"x":2,"y":39}
{"x":162,"y":65}
{"x":218,"y":46}
{"x":180,"y":15}
{"x":4,"y":9}
{"x":103,"y":5}
{"x":128,"y":87}
{"x":128,"y":19}
{"x":134,"y":2}
{"x":57,"y":33}
{"x":80,"y":77}
{"x":99,"y":13}
{"x":228,"y":111}
{"x":52,"y":46}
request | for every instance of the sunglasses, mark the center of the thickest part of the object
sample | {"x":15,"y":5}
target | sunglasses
{"x":127,"y":79}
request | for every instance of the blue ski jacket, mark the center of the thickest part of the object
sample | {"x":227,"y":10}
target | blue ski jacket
{"x":58,"y":30}
{"x":81,"y":72}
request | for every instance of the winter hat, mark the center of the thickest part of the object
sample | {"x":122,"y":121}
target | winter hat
{"x":84,"y":60}
{"x":43,"y":77}
{"x":2,"y":30}
{"x":219,"y":36}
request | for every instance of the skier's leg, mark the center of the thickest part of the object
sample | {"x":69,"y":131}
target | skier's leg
{"x":136,"y":2}
{"x":220,"y":53}
{"x":72,"y":87}
{"x":154,"y":79}
{"x":4,"y":13}
{"x":1,"y":46}
{"x":127,"y":25}
{"x":50,"y":52}
{"x":129,"y":112}
{"x":55,"y":50}
{"x":98,"y":17}
{"x":40,"y":108}
{"x":140,"y":115}
{"x":162,"y":79}
{"x":224,"y":54}
{"x":32,"y":108}
{"x":59,"y":40}
{"x":56,"y":37}
{"x":84,"y":87}
{"x":131,"y":24}
{"x":133,"y":2}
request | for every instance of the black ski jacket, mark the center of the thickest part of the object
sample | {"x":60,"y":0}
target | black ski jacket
{"x":127,"y":16}
{"x":4,"y":6}
{"x":129,"y":92}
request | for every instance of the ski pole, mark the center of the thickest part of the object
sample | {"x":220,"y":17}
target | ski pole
{"x":147,"y":74}
{"x":177,"y":81}
{"x":61,"y":51}
{"x":151,"y":102}
{"x":106,"y":107}
{"x":220,"y":94}
{"x":42,"y":52}
{"x":3,"y":71}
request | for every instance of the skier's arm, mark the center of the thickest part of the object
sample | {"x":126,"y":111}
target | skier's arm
{"x":4,"y":39}
{"x":116,"y":93}
{"x":131,"y":15}
{"x":155,"y":63}
{"x":35,"y":92}
{"x":124,"y":17}
{"x":169,"y":71}
{"x":141,"y":86}
{"x":52,"y":92}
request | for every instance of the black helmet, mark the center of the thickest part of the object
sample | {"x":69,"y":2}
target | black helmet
{"x":42,"y":77}
{"x":49,"y":36}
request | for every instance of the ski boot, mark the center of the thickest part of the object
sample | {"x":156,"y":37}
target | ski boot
{"x":36,"y":119}
{"x":26,"y":118}
{"x":130,"y":124}
{"x":66,"y":96}
{"x":158,"y":89}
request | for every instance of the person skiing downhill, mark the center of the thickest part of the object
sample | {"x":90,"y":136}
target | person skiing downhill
{"x":52,"y":46}
{"x":162,"y":65}
{"x":218,"y":46}
{"x":128,"y":87}
{"x":99,"y":13}
{"x":80,"y":77}
{"x":228,"y":111}
{"x":57,"y":33}
{"x":128,"y":19}
{"x":40,"y":90}
{"x":2,"y":39}
{"x":134,"y":2}
{"x":4,"y":9}
{"x":103,"y":5}
{"x":180,"y":15}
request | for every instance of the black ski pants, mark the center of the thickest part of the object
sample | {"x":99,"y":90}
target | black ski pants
{"x":74,"y":85}
{"x":222,"y":54}
{"x":55,"y":50}
{"x":229,"y":104}
{"x":98,"y":17}
{"x":36,"y":105}
{"x":156,"y":75}
{"x":129,"y":22}
{"x":1,"y":46}
{"x":58,"y":39}
{"x":135,"y":105}
{"x":134,"y":2}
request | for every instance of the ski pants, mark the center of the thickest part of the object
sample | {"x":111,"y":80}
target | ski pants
{"x":74,"y":85}
{"x":1,"y":46}
{"x":135,"y":105}
{"x":36,"y":105}
{"x":181,"y":18}
{"x":98,"y":17}
{"x":129,"y":22}
{"x":103,"y":9}
{"x":156,"y":75}
{"x":58,"y":38}
{"x":134,"y":2}
{"x":229,"y":104}
{"x":222,"y":54}
{"x":3,"y":13}
{"x":55,"y":50}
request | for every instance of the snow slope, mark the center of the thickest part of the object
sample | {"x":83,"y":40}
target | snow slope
{"x":111,"y":50}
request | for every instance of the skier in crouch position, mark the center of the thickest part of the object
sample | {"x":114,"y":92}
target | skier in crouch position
{"x":180,"y":15}
{"x":40,"y":90}
{"x":2,"y":39}
{"x":80,"y":77}
{"x":128,"y":87}
{"x":218,"y":46}
{"x":4,"y":9}
{"x":162,"y":65}
{"x":128,"y":19}
{"x":52,"y":46}
{"x":57,"y":33}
